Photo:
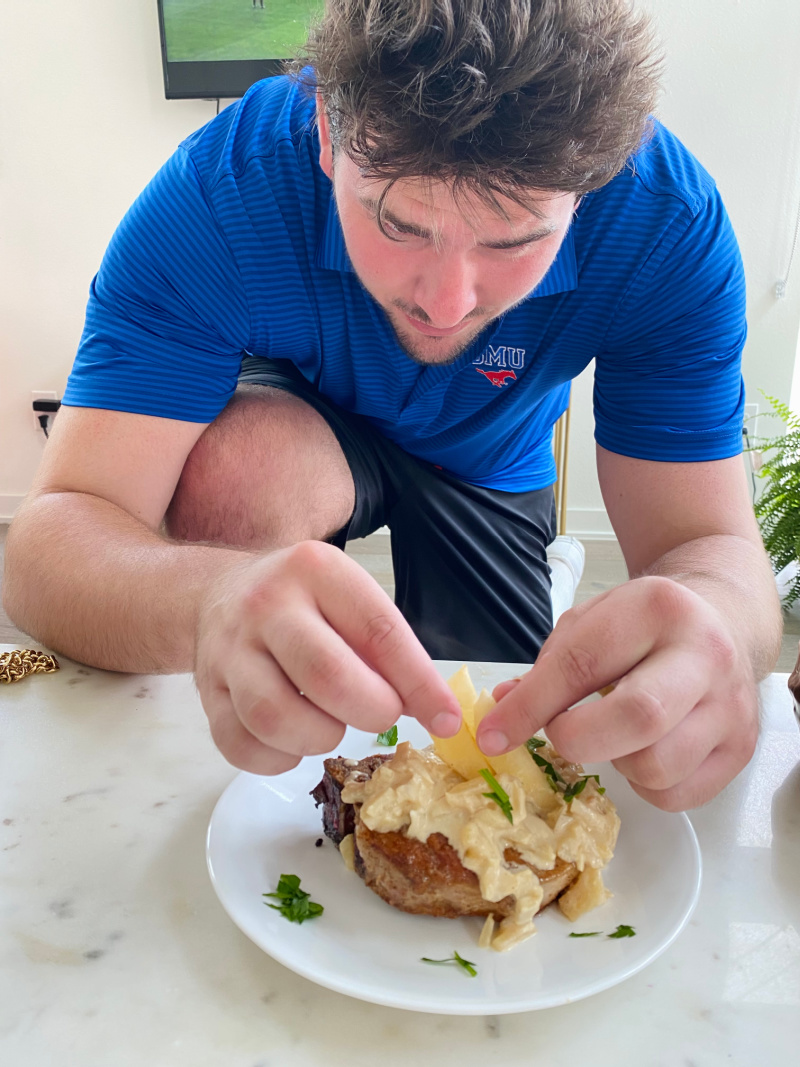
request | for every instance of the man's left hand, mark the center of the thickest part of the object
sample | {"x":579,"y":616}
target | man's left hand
{"x":682,"y":720}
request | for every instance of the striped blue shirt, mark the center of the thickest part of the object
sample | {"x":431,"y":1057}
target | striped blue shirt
{"x":235,"y":247}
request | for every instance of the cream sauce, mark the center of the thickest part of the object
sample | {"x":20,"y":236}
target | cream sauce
{"x":418,"y":793}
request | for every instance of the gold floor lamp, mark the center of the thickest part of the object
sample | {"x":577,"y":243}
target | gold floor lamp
{"x":561,"y":453}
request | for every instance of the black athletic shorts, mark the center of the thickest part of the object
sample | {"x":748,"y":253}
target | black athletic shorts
{"x":470,"y":564}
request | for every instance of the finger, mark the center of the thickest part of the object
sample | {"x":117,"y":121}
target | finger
{"x":674,"y":758}
{"x":645,"y":706}
{"x":275,"y":713}
{"x":383,"y":670}
{"x":503,"y":688}
{"x":320,"y":663}
{"x":602,"y":645}
{"x":237,"y":744}
{"x":710,"y":778}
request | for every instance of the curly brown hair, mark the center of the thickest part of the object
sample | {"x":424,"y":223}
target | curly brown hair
{"x":501,"y":96}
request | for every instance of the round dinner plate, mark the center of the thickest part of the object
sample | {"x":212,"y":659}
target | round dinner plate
{"x":262,"y":828}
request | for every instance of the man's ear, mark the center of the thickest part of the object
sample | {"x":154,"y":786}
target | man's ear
{"x":325,"y":146}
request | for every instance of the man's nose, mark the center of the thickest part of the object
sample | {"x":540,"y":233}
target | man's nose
{"x":446,"y":290}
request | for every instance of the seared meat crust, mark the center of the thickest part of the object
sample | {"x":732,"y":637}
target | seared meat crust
{"x":424,"y":878}
{"x":338,"y":818}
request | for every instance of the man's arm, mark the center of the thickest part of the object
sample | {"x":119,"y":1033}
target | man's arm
{"x":288,"y":646}
{"x":684,"y":641}
{"x":694,"y":523}
{"x":87,"y":572}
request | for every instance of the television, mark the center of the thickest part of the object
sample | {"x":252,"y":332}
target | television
{"x":217,"y":48}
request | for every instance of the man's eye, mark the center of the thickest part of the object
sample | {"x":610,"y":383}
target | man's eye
{"x":395,"y":231}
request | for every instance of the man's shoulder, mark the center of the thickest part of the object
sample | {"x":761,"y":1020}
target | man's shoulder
{"x":666,"y":168}
{"x":662,"y":179}
{"x":275,"y":118}
{"x":662,"y":195}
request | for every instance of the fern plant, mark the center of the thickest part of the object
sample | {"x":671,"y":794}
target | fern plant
{"x":778,"y":508}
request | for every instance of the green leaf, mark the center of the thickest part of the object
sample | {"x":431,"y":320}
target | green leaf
{"x":590,"y":933}
{"x":295,"y":904}
{"x":778,"y":507}
{"x":498,"y":795}
{"x":575,"y":789}
{"x":551,"y":773}
{"x":578,"y":787}
{"x":388,"y":737}
{"x":533,"y":743}
{"x":466,"y":965}
{"x":623,"y":931}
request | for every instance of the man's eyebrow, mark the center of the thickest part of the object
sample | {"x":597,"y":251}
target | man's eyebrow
{"x":526,"y":239}
{"x":419,"y":231}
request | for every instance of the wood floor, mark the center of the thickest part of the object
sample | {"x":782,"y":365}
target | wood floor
{"x":604,"y":570}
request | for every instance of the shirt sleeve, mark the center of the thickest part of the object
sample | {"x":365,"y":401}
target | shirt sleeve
{"x":668,"y":382}
{"x":167,"y":320}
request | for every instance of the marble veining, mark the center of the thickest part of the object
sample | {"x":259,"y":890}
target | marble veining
{"x":114,"y":951}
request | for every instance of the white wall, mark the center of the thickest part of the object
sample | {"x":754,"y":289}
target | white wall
{"x":85,"y":125}
{"x":732,"y":94}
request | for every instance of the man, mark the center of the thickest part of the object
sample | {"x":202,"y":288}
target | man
{"x":405,"y":273}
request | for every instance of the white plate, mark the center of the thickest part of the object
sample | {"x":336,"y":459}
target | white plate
{"x":264,"y":827}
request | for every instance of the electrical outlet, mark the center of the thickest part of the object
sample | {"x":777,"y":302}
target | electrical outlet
{"x":42,"y":394}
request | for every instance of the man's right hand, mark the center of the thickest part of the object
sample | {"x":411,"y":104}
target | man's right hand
{"x":296,"y":645}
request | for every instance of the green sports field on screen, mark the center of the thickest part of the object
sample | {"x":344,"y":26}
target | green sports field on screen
{"x":208,"y":30}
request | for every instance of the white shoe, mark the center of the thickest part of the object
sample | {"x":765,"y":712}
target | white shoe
{"x":566,"y":557}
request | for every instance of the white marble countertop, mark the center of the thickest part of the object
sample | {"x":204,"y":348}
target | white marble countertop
{"x":114,"y":951}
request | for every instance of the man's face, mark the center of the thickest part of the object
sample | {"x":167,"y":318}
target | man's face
{"x":453,"y":265}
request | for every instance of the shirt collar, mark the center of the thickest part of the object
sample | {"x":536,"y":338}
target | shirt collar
{"x":332,"y":255}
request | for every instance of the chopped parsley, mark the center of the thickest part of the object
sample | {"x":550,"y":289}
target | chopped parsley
{"x":555,"y":781}
{"x":552,"y":775}
{"x":498,"y":795}
{"x":533,"y":743}
{"x":623,"y":931}
{"x":295,"y":905}
{"x":459,"y":961}
{"x":388,"y":737}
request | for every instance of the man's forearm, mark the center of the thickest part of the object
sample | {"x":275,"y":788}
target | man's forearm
{"x":734,"y":575}
{"x":86,"y":579}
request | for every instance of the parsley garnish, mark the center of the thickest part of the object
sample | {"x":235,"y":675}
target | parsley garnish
{"x":498,"y":795}
{"x":295,"y":905}
{"x":591,"y":933}
{"x":623,"y":931}
{"x":554,"y":778}
{"x":533,"y":743}
{"x":458,"y":960}
{"x":388,"y":737}
{"x":575,"y":789}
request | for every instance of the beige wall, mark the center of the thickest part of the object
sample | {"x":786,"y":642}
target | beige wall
{"x":732,"y":94}
{"x":85,"y":125}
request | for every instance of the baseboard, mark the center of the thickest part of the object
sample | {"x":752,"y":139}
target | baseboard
{"x":590,"y":524}
{"x":8,"y":506}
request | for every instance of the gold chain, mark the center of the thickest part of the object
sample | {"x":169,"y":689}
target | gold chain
{"x":16,"y":665}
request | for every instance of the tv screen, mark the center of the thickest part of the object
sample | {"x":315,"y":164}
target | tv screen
{"x":218,"y":48}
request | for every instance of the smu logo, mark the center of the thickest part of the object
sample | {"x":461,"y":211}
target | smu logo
{"x":497,"y":377}
{"x":507,"y":361}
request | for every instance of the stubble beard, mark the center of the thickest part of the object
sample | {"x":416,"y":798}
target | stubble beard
{"x":431,"y":351}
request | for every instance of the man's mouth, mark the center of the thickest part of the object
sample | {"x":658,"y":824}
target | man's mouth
{"x":433,"y":331}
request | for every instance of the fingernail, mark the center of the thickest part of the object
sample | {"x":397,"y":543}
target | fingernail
{"x":493,"y":743}
{"x":445,"y":724}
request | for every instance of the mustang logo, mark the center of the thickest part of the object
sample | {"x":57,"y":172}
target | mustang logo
{"x":497,"y":377}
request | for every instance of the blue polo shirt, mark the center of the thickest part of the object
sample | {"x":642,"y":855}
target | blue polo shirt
{"x":235,"y":247}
